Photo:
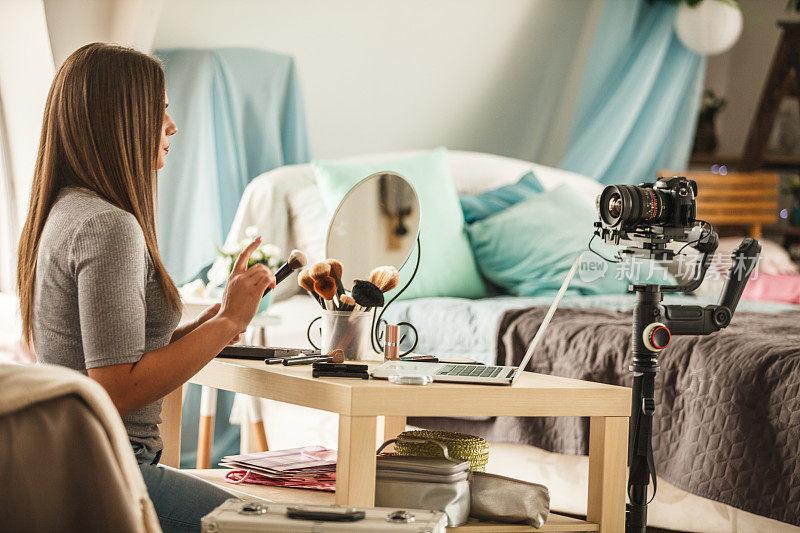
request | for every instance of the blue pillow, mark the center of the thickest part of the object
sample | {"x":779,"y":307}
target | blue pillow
{"x":479,"y":206}
{"x":447,"y":266}
{"x":528,"y":249}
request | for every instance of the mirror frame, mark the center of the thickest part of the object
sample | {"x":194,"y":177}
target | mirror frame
{"x":353,"y":188}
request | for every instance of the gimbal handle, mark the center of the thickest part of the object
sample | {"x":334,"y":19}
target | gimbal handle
{"x":744,"y":261}
{"x":697,"y":320}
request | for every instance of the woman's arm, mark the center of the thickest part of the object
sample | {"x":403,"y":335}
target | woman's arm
{"x":159,"y":372}
{"x":207,"y":314}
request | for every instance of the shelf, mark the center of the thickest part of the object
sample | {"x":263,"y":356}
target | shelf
{"x":732,"y":160}
{"x":555,"y":522}
{"x":781,"y":229}
{"x":216,"y":476}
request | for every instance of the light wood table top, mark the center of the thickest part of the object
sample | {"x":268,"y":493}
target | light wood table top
{"x":531,"y":395}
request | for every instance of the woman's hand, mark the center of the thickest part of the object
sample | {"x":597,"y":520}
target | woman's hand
{"x":245,"y":288}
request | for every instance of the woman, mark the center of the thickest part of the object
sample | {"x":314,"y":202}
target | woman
{"x":94,"y":293}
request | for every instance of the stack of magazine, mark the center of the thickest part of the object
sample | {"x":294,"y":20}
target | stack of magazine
{"x":310,"y":467}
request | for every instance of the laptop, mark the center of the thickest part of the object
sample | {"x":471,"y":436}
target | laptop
{"x":475,"y":373}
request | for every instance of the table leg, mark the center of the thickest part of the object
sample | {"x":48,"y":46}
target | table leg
{"x":170,"y":428}
{"x":390,"y":427}
{"x":205,"y":431}
{"x":608,"y":457}
{"x":355,"y":466}
{"x":256,"y":417}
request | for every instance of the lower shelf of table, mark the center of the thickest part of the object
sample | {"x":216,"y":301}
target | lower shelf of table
{"x":555,"y":522}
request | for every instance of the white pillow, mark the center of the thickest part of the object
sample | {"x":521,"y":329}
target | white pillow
{"x":308,"y":221}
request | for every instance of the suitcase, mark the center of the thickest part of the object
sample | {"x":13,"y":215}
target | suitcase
{"x":237,"y":516}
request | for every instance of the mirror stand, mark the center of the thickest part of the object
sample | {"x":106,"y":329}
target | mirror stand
{"x":378,"y":318}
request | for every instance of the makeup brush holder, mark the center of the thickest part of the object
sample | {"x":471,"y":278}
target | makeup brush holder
{"x":349,"y":332}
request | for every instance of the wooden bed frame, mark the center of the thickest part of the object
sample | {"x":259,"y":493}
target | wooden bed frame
{"x":743,"y":199}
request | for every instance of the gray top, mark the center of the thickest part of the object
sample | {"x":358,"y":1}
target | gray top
{"x":97,"y":300}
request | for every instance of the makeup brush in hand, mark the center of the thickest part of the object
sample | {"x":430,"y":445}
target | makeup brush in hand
{"x":367,"y":295}
{"x":297,"y":259}
{"x":326,"y":288}
{"x":305,"y":280}
{"x":385,"y":278}
{"x":336,"y":273}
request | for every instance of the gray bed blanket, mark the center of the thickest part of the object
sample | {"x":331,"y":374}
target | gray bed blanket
{"x":727,"y":424}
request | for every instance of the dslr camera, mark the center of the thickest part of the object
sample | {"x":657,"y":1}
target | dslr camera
{"x":650,"y":215}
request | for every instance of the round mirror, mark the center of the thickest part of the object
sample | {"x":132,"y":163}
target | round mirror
{"x":375,"y":224}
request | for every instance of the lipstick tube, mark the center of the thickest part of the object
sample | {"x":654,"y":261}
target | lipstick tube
{"x":391,"y":345}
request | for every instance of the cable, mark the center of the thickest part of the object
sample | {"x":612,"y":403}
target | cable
{"x":703,"y":224}
{"x":601,"y":256}
{"x":377,"y":319}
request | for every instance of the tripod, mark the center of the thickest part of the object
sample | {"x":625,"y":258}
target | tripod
{"x":653,"y":326}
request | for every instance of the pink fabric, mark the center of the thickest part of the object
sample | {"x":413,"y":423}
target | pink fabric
{"x":15,"y":351}
{"x":774,"y":287}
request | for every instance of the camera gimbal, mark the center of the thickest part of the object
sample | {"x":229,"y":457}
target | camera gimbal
{"x":655,"y":323}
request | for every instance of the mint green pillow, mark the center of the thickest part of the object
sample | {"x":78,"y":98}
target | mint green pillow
{"x":447,"y":266}
{"x":528,"y":249}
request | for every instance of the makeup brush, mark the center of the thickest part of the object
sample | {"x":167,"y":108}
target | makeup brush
{"x":385,"y":278}
{"x":305,"y":280}
{"x":336,"y":356}
{"x":367,"y":295}
{"x":326,"y":288}
{"x":346,"y":303}
{"x":297,"y":259}
{"x":336,"y":273}
{"x":319,"y":270}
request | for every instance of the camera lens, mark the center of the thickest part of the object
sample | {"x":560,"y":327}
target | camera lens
{"x":631,"y":206}
{"x":615,"y":205}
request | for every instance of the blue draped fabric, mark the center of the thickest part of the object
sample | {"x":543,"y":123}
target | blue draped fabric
{"x":640,"y":97}
{"x":239,"y":114}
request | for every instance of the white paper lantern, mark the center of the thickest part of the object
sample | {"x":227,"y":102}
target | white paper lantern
{"x":709,"y":28}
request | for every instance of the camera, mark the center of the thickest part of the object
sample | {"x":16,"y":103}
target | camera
{"x":651,"y":215}
{"x":669,"y":203}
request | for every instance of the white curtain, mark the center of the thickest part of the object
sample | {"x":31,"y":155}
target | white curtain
{"x":26,"y":71}
{"x":8,"y":213}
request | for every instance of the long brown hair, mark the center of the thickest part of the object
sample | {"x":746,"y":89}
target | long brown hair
{"x":101,"y":130}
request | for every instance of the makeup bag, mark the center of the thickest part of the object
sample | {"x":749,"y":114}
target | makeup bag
{"x":447,"y":485}
{"x":436,"y":483}
{"x":503,"y":499}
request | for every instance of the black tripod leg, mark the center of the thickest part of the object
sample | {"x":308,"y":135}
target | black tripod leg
{"x":640,"y":454}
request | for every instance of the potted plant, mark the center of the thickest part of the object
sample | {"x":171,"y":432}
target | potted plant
{"x":266,"y":254}
{"x":705,"y":139}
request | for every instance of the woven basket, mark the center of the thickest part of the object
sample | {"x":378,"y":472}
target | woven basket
{"x":459,"y":446}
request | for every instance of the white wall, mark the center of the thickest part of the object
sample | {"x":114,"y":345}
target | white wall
{"x":73,"y":23}
{"x":739,"y":74}
{"x":385,"y":75}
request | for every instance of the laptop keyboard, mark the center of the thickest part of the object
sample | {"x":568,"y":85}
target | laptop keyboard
{"x":475,"y":371}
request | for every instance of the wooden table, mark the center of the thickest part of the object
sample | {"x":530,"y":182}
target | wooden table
{"x":371,"y":411}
